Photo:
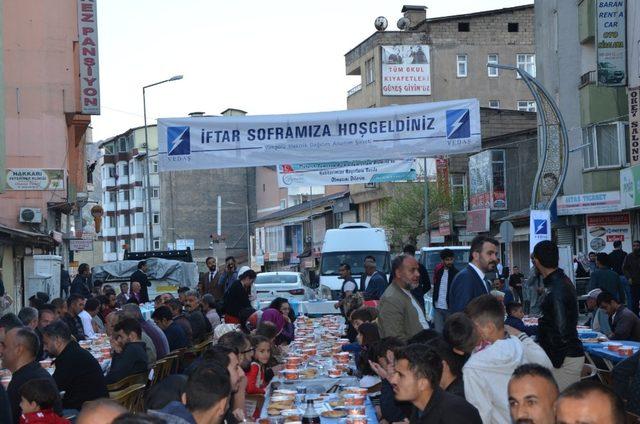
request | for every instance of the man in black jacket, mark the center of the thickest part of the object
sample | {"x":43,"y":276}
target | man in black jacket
{"x":19,"y":356}
{"x":373,"y":282}
{"x":75,"y":305}
{"x":82,"y":284}
{"x":557,"y":333}
{"x":140,"y":275}
{"x":77,"y":372}
{"x":417,"y":380}
{"x":200,"y":325}
{"x":424,"y":283}
{"x":130,"y":355}
{"x":442,"y":279}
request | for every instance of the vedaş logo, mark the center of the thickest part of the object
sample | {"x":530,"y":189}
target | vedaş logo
{"x":178,"y":141}
{"x":458,"y":123}
{"x":540,"y":226}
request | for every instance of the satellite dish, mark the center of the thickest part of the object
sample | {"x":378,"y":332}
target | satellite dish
{"x":403,"y":24}
{"x":381,"y":23}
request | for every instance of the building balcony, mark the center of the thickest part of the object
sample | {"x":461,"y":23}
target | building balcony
{"x":586,"y":21}
{"x":600,"y":103}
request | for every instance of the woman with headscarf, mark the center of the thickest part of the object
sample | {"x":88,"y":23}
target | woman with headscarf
{"x":287,"y":334}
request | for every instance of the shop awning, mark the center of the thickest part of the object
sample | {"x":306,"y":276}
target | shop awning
{"x":27,"y":237}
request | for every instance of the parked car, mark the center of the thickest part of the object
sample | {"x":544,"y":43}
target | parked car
{"x":290,"y":285}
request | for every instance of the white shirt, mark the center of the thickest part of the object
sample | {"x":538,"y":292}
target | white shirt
{"x":444,"y":287}
{"x":86,"y":324}
{"x":366,"y":281}
{"x":421,"y":317}
{"x":480,"y":274}
{"x":349,"y":286}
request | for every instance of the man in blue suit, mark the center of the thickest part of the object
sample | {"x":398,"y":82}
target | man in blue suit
{"x":373,"y":282}
{"x":471,"y":282}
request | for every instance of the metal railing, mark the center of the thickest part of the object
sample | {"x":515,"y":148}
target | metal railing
{"x":587,"y":78}
{"x":354,"y":90}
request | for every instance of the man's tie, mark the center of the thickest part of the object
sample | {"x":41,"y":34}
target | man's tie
{"x":487,"y":284}
{"x":211,"y":276}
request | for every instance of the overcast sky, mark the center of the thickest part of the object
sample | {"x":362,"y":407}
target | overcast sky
{"x":264,"y":57}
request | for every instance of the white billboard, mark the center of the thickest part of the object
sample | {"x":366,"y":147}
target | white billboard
{"x":611,"y":42}
{"x":345,"y":172}
{"x":406,"y":70}
{"x":392,"y":132}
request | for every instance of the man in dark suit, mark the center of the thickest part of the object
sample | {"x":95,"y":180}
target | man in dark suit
{"x":141,"y":277}
{"x":373,"y":282}
{"x":209,"y":281}
{"x":425,"y":283}
{"x":471,"y":282}
{"x":82,"y":284}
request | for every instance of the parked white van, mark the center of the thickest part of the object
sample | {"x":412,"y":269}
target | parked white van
{"x":351,"y":244}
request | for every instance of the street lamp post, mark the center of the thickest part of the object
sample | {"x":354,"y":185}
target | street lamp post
{"x":146,"y":143}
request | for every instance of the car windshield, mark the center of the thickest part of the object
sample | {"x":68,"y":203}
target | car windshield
{"x":432,"y":258}
{"x":276,"y":279}
{"x":331,"y":262}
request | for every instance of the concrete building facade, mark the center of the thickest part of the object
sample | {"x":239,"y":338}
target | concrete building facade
{"x":41,"y":127}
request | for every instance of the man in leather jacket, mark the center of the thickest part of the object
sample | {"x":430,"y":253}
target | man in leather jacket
{"x":557,"y":332}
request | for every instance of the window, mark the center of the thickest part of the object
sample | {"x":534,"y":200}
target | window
{"x":125,"y":170}
{"x":133,"y":219}
{"x":155,"y":192}
{"x":112,"y":196}
{"x":458,"y":184}
{"x":133,"y":194}
{"x":606,"y":145}
{"x":461,"y":68}
{"x":156,"y":244}
{"x":108,"y":149}
{"x":122,"y":144}
{"x":111,"y":246}
{"x":492,"y":59}
{"x":111,"y":172}
{"x":526,"y":62}
{"x":126,"y":219}
{"x":124,"y":196}
{"x":154,"y":167}
{"x":369,"y":71}
{"x":283,"y":203}
{"x":494,"y":104}
{"x":513,"y":27}
{"x":527,"y":105}
{"x":155,"y":218}
{"x":463,"y":26}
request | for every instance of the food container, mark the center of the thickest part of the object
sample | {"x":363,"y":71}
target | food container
{"x":264,"y":421}
{"x":294,"y":360}
{"x":343,"y":341}
{"x":291,"y":374}
{"x":291,"y":366}
{"x":357,"y":419}
{"x":291,"y":413}
{"x":614,"y":347}
{"x":626,"y":350}
{"x":356,"y":391}
{"x":310,"y":351}
{"x":283,"y":398}
{"x":335,"y":372}
{"x":336,"y":349}
{"x":353,"y":400}
{"x":354,"y":410}
{"x":342,"y":357}
{"x":284,"y":392}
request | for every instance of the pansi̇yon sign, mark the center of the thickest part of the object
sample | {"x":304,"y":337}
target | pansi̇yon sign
{"x":392,"y":132}
{"x":88,"y":56}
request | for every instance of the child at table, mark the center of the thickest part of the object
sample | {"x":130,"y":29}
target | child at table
{"x":38,"y":398}
{"x":256,"y":380}
{"x":515,"y":313}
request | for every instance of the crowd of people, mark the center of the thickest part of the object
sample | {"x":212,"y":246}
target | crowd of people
{"x":474,"y":360}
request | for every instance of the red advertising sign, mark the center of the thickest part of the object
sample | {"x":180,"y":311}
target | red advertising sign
{"x":478,"y":220}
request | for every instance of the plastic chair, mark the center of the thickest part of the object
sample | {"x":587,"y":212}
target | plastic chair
{"x":588,"y":372}
{"x":161,"y":369}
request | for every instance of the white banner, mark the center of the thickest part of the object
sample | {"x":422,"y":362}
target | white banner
{"x":392,"y":132}
{"x":581,"y":204}
{"x":539,"y":227}
{"x":88,"y":56}
{"x":35,"y":179}
{"x":405,"y":70}
{"x":347,"y":172}
{"x":611,"y":42}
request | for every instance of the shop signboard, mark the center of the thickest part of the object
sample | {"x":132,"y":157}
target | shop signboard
{"x":405,"y":70}
{"x":604,"y":229}
{"x":80,"y":245}
{"x":29,"y":179}
{"x":634,"y":124}
{"x":611,"y":42}
{"x":478,"y":220}
{"x":630,"y":187}
{"x":487,"y":173}
{"x":588,"y":203}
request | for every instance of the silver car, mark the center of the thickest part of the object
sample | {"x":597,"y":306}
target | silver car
{"x":290,"y":285}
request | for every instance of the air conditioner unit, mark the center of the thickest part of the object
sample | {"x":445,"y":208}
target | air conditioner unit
{"x":30,"y":215}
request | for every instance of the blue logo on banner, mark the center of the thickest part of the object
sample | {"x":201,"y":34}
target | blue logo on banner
{"x":178,"y":141}
{"x":541,"y":227}
{"x":458,"y":123}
